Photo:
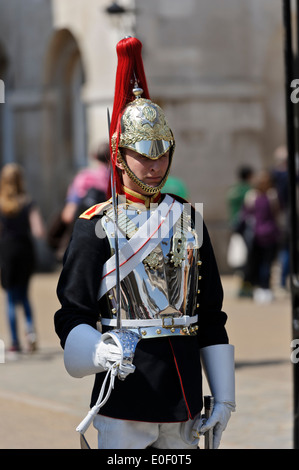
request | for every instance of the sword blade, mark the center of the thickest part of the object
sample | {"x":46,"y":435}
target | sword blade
{"x":83,"y":442}
{"x":115,"y":213}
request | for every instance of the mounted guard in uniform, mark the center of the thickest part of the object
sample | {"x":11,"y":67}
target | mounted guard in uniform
{"x":140,"y":292}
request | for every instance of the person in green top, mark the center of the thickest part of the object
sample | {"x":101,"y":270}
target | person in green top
{"x":175,"y":186}
{"x":235,"y":200}
{"x":236,"y":194}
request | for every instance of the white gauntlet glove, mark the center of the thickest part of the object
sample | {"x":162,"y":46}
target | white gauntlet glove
{"x":218,"y":421}
{"x":88,"y":352}
{"x":218,"y":364}
{"x":112,"y":351}
{"x":107,"y":353}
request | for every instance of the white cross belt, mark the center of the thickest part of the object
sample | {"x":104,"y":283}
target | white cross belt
{"x":152,"y":232}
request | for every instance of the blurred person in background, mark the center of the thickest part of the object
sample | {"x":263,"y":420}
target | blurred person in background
{"x":89,"y":187}
{"x":240,"y":240}
{"x":260,"y":213}
{"x":175,"y":186}
{"x":20,"y":223}
{"x":237,"y":192}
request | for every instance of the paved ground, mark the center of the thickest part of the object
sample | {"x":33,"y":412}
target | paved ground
{"x":40,"y":405}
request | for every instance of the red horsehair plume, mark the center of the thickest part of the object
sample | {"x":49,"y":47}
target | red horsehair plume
{"x":129,"y":70}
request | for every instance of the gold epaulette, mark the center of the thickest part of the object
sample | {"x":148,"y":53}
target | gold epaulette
{"x":94,"y":210}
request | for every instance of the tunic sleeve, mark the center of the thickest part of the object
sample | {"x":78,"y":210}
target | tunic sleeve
{"x":80,"y":278}
{"x":212,"y":319}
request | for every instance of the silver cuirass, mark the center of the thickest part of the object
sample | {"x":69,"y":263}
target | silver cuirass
{"x":165,"y":284}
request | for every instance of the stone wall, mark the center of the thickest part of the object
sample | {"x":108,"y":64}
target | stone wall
{"x":215,"y":66}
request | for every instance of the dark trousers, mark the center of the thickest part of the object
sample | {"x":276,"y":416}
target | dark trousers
{"x":259,"y":265}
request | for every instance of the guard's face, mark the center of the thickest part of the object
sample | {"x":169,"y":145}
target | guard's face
{"x":150,"y":172}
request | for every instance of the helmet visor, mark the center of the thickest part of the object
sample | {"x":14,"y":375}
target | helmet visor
{"x":152,"y":149}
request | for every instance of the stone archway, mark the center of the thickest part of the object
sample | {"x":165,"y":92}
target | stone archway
{"x":65,"y":123}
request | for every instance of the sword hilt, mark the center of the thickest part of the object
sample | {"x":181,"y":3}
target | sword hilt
{"x":208,"y":410}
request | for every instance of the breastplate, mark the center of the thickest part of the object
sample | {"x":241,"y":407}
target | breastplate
{"x":165,"y":283}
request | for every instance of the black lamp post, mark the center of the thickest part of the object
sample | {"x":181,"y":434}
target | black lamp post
{"x":115,"y":9}
{"x":291,"y":61}
{"x":122,"y":17}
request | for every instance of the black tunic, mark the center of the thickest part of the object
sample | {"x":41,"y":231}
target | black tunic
{"x":167,"y":383}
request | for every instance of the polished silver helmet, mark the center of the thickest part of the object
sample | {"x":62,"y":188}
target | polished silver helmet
{"x":144,"y":129}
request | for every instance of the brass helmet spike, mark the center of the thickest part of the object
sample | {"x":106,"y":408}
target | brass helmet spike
{"x":137,"y":91}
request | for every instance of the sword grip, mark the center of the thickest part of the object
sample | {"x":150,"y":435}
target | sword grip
{"x":208,"y":409}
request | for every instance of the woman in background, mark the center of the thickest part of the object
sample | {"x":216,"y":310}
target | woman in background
{"x":260,"y":213}
{"x":20,"y":222}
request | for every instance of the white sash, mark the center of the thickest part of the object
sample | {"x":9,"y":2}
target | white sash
{"x":152,"y":232}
